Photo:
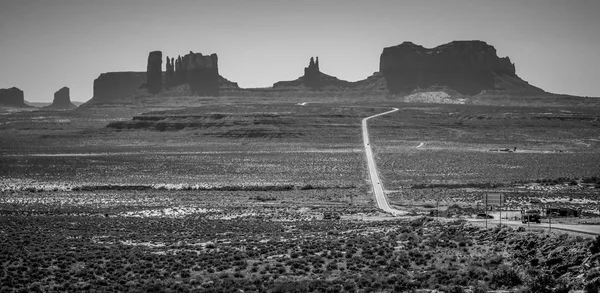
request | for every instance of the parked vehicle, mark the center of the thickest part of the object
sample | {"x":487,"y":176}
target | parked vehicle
{"x":530,"y":216}
{"x":484,"y":216}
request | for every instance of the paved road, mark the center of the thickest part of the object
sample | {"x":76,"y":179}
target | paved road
{"x":383,"y":204}
{"x":377,"y":184}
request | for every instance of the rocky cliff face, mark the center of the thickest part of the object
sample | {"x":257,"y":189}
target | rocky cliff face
{"x":62,"y":100}
{"x":312,"y":74}
{"x":199,"y":71}
{"x":154,"y":72}
{"x":469,"y":67}
{"x":113,"y":86}
{"x":12,"y":97}
{"x":313,"y":79}
{"x":457,"y":69}
{"x":170,"y":73}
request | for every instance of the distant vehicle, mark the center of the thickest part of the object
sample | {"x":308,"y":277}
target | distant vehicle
{"x":531,"y":216}
{"x":331,"y":216}
{"x":484,"y":216}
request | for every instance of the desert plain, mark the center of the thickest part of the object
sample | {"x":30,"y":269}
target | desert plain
{"x":221,"y":197}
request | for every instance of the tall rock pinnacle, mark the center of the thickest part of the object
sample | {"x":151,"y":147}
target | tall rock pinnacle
{"x":154,"y":72}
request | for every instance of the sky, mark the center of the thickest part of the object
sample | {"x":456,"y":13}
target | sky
{"x":45,"y":45}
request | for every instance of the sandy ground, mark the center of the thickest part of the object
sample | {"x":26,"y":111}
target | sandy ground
{"x":587,"y":230}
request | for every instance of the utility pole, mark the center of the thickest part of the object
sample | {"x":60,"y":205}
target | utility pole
{"x":437,"y":207}
{"x":486,"y":212}
{"x":500,"y":212}
{"x":549,"y":220}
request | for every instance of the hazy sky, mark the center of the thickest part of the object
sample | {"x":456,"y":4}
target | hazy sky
{"x":47,"y":44}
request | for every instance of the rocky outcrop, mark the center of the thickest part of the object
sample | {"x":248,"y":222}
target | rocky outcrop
{"x":170,"y":74}
{"x":12,"y":97}
{"x":154,"y":72}
{"x":312,"y":74}
{"x":199,"y":71}
{"x":313,"y":79}
{"x":62,"y":100}
{"x":460,"y":71}
{"x":114,"y":86}
{"x":62,"y":96}
{"x":469,"y":67}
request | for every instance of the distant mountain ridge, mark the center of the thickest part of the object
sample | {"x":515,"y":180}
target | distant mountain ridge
{"x":459,"y":71}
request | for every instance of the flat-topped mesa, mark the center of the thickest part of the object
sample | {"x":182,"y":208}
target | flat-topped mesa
{"x":468,"y":67}
{"x":12,"y":97}
{"x":114,"y":86}
{"x":62,"y":100}
{"x":154,"y":72}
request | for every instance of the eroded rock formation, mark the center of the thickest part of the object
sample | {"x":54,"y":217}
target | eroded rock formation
{"x":154,"y":72}
{"x":468,"y":67}
{"x":314,"y":79}
{"x":62,"y":100}
{"x":114,"y":86}
{"x":457,"y":69}
{"x":12,"y":97}
{"x":312,"y":74}
{"x":200,"y":72}
{"x":62,"y":96}
{"x":170,"y":74}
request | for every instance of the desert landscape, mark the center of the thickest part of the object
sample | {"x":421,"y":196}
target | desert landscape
{"x":214,"y":197}
{"x":443,"y":171}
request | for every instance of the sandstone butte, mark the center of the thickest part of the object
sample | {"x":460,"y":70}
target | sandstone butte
{"x":62,"y":100}
{"x":460,"y":69}
{"x":12,"y":97}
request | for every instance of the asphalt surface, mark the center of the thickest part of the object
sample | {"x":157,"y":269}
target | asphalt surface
{"x":382,"y":202}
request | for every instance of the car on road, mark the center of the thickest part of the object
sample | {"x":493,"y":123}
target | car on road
{"x":531,"y":216}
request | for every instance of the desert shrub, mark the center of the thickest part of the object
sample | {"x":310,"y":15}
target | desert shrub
{"x":453,"y":289}
{"x":418,"y":222}
{"x":350,"y":286}
{"x":592,"y":283}
{"x":300,"y":286}
{"x":494,"y":261}
{"x":595,"y":245}
{"x":544,"y":282}
{"x":505,"y":277}
{"x":455,"y":207}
